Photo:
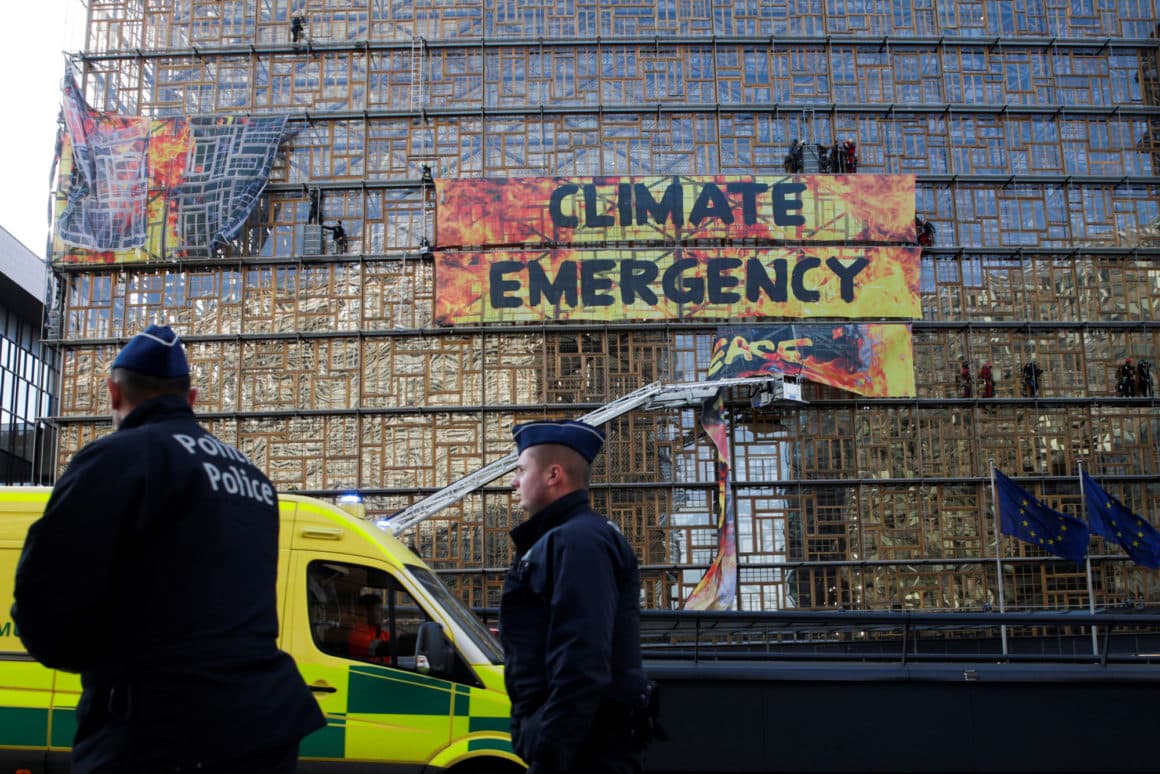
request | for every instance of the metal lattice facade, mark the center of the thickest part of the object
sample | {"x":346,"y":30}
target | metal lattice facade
{"x":1033,"y":128}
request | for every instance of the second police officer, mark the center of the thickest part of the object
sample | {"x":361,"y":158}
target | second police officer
{"x":570,"y":616}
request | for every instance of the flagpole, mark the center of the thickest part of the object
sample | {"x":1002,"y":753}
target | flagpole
{"x":998,"y":550}
{"x":1088,"y":560}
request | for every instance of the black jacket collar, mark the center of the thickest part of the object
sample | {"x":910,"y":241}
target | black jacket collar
{"x":157,"y":410}
{"x":553,"y":515}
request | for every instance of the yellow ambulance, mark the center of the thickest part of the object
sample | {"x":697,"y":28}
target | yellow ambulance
{"x":426,"y":696}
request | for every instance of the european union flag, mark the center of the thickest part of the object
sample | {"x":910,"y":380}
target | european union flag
{"x":1110,"y":519}
{"x":1024,"y":517}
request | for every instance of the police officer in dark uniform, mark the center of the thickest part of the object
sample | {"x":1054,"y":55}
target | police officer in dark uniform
{"x":152,"y":573}
{"x":570,"y":616}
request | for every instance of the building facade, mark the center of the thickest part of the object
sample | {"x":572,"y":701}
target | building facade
{"x":1033,"y":128}
{"x":27,"y":368}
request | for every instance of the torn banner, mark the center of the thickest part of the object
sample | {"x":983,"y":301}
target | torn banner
{"x":140,"y":189}
{"x":872,"y":359}
{"x":717,"y":590}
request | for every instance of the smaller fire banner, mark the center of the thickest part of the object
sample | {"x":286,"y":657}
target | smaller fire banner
{"x":871,"y":359}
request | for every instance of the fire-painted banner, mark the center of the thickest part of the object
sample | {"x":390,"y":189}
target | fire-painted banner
{"x":140,"y":189}
{"x":481,"y":212}
{"x":717,"y":589}
{"x":678,"y":283}
{"x":871,"y":359}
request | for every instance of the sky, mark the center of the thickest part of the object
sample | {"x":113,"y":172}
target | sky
{"x":31,"y":67}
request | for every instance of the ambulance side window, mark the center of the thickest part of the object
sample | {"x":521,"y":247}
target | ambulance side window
{"x":362,"y":613}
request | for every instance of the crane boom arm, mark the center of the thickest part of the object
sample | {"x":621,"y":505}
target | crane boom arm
{"x":651,"y":396}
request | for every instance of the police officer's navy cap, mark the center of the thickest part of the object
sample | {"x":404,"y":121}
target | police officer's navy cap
{"x":583,"y":438}
{"x":156,"y":351}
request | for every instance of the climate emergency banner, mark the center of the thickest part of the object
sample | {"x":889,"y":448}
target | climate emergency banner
{"x":484,"y":212}
{"x":872,"y":359}
{"x":680,"y":283}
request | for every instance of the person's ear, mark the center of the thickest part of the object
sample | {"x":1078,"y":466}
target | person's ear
{"x":191,"y":396}
{"x":116,"y":395}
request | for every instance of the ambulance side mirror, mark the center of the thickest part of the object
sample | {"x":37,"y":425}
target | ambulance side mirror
{"x":432,"y":647}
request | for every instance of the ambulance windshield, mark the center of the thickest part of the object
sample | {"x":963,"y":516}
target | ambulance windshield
{"x":466,"y":619}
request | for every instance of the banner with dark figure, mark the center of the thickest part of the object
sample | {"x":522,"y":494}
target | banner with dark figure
{"x":871,"y":359}
{"x":141,"y":189}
